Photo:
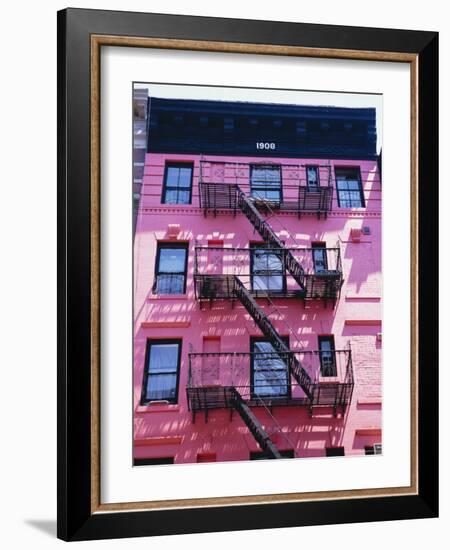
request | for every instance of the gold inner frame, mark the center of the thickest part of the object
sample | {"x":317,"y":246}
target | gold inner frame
{"x":97,"y":41}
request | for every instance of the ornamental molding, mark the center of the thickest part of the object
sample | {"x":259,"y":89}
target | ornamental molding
{"x":200,"y":212}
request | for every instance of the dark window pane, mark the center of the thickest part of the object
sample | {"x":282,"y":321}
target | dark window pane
{"x":349,"y":187}
{"x":160,"y":381}
{"x":171,"y":196}
{"x":163,"y":358}
{"x":161,"y":386}
{"x":171,"y":270}
{"x":267,"y":270}
{"x":172,"y":260}
{"x":170,"y":283}
{"x":266,"y":182}
{"x":270,"y":372}
{"x":172,"y":176}
{"x":312,"y":175}
{"x":152,"y":461}
{"x":327,"y":356}
{"x":178,"y":184}
{"x":268,"y":282}
{"x":320,"y":259}
{"x":334,"y":451}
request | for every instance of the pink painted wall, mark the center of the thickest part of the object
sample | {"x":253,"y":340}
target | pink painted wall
{"x":168,"y":430}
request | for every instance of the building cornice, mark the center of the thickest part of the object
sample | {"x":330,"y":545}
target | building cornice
{"x":193,"y":211}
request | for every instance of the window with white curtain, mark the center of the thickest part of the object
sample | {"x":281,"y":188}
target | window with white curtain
{"x":161,"y":371}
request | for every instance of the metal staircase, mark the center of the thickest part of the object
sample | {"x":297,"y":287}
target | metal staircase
{"x":295,"y":368}
{"x":253,"y":424}
{"x":268,"y":235}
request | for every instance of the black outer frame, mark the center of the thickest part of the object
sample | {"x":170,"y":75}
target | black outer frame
{"x":75,"y":521}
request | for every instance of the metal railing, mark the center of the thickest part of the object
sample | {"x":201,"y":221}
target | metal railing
{"x":221,"y":182}
{"x":263,"y":378}
{"x":214,"y":268}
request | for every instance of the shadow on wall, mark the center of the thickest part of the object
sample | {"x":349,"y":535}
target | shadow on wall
{"x":368,"y":251}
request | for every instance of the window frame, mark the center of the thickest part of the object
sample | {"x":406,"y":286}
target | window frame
{"x":165,"y":187}
{"x":330,"y":338}
{"x":174,"y":245}
{"x":160,"y":341}
{"x":335,"y":451}
{"x":153,"y":461}
{"x":360,"y":185}
{"x":375,"y":449}
{"x":316,"y":168}
{"x":261,"y":187}
{"x":256,"y":246}
{"x":288,"y":394}
{"x":319,"y":245}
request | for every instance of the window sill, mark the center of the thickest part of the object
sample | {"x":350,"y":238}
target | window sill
{"x":157,"y":297}
{"x":158,"y":407}
{"x":329,"y":379}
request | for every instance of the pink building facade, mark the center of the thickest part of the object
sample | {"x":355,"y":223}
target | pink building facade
{"x":257,"y":304}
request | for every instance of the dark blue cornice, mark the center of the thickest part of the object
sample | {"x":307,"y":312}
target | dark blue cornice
{"x":235,"y":128}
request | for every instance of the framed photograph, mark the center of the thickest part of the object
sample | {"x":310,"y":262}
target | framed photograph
{"x":247,"y":274}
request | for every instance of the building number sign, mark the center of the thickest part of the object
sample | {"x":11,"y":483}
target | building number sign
{"x":265,"y":145}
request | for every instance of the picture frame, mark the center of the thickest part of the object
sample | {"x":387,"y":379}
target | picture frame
{"x":81,"y":35}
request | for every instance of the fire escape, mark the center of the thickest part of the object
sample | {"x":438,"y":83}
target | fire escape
{"x":205,"y":393}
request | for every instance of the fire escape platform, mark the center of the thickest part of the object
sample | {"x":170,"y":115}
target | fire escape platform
{"x":215,"y":196}
{"x":220,"y":397}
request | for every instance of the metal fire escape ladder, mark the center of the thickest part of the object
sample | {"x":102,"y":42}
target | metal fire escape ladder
{"x":269,"y":236}
{"x":254,"y":425}
{"x":295,"y":368}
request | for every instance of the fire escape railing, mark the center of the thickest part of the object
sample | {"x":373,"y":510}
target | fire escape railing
{"x":269,"y":331}
{"x":220,"y":184}
{"x":214,"y":268}
{"x":215,"y":195}
{"x":213,"y":377}
{"x":269,"y":237}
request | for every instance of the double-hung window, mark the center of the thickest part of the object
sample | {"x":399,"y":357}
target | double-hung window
{"x":171,"y":268}
{"x":327,"y":356}
{"x":312,"y":177}
{"x":161,"y":371}
{"x":265,"y":182}
{"x":267,"y":269}
{"x":177,"y":188}
{"x":320,"y":259}
{"x":349,"y":188}
{"x":270,"y":373}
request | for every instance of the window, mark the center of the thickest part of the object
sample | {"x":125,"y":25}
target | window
{"x":161,"y":371}
{"x":373,"y":449}
{"x":320,"y":260}
{"x":349,"y":188}
{"x":262,"y":455}
{"x":177,"y":188}
{"x":327,"y":356}
{"x":171,"y":268}
{"x":334,"y":451}
{"x":265,"y":182}
{"x":150,"y":461}
{"x":270,"y":374}
{"x":312,"y":178}
{"x":267,"y":269}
